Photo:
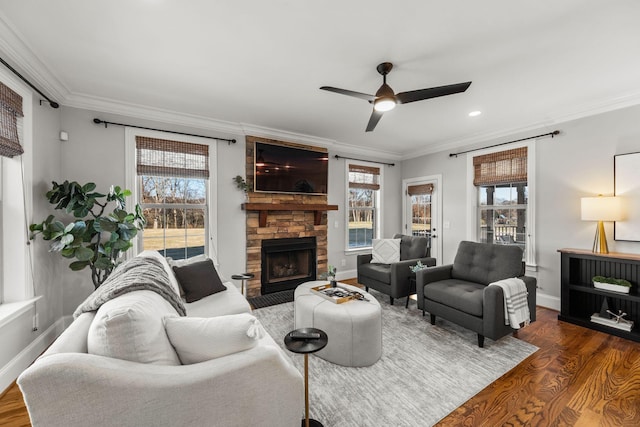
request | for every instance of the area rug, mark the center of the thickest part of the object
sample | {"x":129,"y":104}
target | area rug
{"x":426,"y":371}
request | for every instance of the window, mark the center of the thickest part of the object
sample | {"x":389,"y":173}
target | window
{"x":172,"y":184}
{"x":501,"y":180}
{"x":16,"y":283}
{"x":420,"y":209}
{"x":363,"y":200}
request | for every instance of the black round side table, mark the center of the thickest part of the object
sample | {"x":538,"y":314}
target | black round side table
{"x":306,"y":346}
{"x":244,"y":277}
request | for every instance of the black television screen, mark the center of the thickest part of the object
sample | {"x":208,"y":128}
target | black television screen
{"x":284,"y":169}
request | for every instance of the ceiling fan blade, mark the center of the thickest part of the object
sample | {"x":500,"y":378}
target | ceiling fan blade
{"x":360,"y":95}
{"x":373,"y":120}
{"x":433,"y":92}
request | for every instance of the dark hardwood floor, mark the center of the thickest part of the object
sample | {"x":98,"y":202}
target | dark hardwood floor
{"x":579,"y":377}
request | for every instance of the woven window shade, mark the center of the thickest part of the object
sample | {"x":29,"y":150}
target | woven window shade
{"x":419,"y":190}
{"x":364,"y":177}
{"x":162,"y":157}
{"x":503,"y":167}
{"x":10,"y":110}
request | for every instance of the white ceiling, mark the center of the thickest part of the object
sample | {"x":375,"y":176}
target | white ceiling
{"x":258,"y":65}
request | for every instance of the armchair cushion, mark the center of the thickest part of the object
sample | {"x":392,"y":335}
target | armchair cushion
{"x":385,"y":251}
{"x":459,"y":294}
{"x":412,"y":247}
{"x":482,"y":263}
{"x":379,"y":272}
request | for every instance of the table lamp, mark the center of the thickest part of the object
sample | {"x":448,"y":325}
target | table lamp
{"x":601,"y":209}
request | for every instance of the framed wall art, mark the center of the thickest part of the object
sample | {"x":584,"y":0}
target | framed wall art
{"x":626,"y":169}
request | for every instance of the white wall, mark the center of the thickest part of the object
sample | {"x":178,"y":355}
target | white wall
{"x":96,"y":154}
{"x":20,"y":344}
{"x":575,"y":164}
{"x":391,"y":210}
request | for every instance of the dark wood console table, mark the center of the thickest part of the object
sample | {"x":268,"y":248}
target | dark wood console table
{"x":580,"y":299}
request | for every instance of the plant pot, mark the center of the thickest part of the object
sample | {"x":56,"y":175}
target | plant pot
{"x":611,"y":287}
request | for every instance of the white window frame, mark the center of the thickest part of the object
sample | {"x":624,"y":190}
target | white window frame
{"x":16,"y":205}
{"x":378,"y":210}
{"x":131,"y":179}
{"x":473,"y":199}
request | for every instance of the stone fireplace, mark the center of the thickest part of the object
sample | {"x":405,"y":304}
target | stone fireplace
{"x":282,"y":216}
{"x":285,"y":263}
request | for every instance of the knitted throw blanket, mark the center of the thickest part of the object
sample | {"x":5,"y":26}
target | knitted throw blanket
{"x":137,"y":274}
{"x":516,"y":307}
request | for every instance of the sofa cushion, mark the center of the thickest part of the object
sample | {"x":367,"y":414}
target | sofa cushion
{"x":220,"y":304}
{"x":131,"y":327}
{"x":385,"y":251}
{"x":199,"y":339}
{"x":412,"y":247}
{"x":199,"y":279}
{"x":484,"y":263}
{"x":459,"y":294}
{"x":379,"y":272}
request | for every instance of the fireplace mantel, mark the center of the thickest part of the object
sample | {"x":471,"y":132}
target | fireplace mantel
{"x":264,"y":208}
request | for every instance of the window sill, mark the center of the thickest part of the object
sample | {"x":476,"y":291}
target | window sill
{"x":11,"y":310}
{"x":358,"y":251}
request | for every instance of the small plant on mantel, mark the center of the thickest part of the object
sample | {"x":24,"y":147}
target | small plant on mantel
{"x":95,"y":239}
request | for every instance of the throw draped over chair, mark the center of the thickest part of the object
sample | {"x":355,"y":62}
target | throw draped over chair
{"x":394,"y":279}
{"x":459,"y":292}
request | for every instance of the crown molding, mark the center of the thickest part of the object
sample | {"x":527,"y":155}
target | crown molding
{"x":584,"y":111}
{"x":103,"y":105}
{"x":20,"y":55}
{"x":331,"y":144}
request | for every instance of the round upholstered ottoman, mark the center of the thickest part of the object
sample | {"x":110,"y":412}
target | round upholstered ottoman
{"x":354,"y":328}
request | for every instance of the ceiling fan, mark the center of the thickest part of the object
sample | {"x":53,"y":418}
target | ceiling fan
{"x":385,"y":99}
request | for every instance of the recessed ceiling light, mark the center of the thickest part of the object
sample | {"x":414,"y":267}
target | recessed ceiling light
{"x":475,"y":113}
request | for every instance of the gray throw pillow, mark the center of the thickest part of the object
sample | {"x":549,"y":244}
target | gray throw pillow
{"x":199,"y":279}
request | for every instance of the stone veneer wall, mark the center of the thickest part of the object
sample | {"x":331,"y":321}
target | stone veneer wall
{"x":281,"y":224}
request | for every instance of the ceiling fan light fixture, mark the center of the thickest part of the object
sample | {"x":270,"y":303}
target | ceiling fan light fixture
{"x":384,"y":104}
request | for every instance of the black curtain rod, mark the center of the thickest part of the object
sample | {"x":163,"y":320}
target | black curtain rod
{"x":551,"y":134}
{"x":98,"y":121}
{"x":363,"y":160}
{"x":52,"y":103}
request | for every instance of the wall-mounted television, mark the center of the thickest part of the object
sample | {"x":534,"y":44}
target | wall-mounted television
{"x":287,"y":169}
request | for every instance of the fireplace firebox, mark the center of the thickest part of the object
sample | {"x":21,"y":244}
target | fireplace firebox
{"x":287,"y":262}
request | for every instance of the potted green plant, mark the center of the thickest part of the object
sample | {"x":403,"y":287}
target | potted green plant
{"x":94,"y":238}
{"x":241,"y":184}
{"x":611,"y":284}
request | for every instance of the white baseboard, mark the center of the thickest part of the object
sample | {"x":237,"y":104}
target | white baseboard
{"x":548,"y":301}
{"x":349,"y":274}
{"x":22,"y":360}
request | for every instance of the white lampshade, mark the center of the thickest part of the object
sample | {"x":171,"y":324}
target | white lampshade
{"x":601,"y":208}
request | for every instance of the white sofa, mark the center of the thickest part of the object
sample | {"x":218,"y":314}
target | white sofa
{"x":68,"y":386}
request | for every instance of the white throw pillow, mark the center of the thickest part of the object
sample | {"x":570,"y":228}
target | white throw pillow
{"x":131,"y":327}
{"x":385,"y":251}
{"x":199,"y":339}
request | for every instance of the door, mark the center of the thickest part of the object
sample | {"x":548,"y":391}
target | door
{"x":421,"y":211}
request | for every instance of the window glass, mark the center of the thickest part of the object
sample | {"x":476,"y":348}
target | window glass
{"x":503,"y":214}
{"x":173,"y":189}
{"x":363,"y":199}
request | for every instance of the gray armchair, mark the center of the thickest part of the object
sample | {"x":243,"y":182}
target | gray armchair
{"x":459,"y":292}
{"x":394,"y":279}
